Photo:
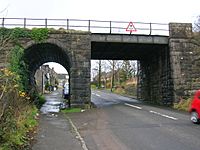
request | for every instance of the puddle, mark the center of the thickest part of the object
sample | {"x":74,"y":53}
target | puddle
{"x":54,"y":103}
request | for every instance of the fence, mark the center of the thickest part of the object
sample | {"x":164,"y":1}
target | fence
{"x":94,"y":26}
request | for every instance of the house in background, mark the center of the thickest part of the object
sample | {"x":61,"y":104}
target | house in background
{"x":46,"y":79}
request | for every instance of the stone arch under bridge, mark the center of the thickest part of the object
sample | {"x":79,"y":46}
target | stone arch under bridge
{"x":40,"y":53}
{"x":71,"y":50}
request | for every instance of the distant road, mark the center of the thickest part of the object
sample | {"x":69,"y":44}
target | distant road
{"x":103,"y":98}
{"x":121,"y":123}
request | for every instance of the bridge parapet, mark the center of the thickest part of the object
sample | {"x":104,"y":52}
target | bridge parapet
{"x":180,"y":30}
{"x":148,"y":39}
{"x":93,"y":26}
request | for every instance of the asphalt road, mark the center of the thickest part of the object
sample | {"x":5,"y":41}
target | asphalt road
{"x":121,"y":123}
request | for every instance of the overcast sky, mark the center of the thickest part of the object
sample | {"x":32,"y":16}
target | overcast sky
{"x":161,"y":11}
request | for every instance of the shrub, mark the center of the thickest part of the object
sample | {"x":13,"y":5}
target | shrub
{"x":19,"y":67}
{"x":39,"y":100}
{"x":17,"y":113}
{"x":39,"y":34}
{"x":93,"y":86}
{"x":119,"y":90}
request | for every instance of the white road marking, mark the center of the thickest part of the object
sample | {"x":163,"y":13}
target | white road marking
{"x":78,"y":135}
{"x":163,"y":115}
{"x":133,"y":106}
{"x":97,"y":95}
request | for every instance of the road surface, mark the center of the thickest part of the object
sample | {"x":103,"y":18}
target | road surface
{"x":121,"y":123}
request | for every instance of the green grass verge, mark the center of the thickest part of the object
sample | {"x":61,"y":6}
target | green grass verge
{"x":71,"y":110}
{"x":183,"y":104}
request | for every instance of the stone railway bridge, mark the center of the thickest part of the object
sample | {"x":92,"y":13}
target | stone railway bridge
{"x":168,"y":65}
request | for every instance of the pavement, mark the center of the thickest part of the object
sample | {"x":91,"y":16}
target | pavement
{"x":55,"y":130}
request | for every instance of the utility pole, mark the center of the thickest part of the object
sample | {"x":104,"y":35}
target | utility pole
{"x":113,"y":76}
{"x":99,"y":85}
{"x":43,"y":82}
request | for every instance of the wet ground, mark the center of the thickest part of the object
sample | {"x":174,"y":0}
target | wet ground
{"x":55,"y":132}
{"x":54,"y":102}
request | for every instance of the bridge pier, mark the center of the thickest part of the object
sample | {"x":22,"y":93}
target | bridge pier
{"x":155,"y":84}
{"x":80,"y":92}
{"x":184,"y":70}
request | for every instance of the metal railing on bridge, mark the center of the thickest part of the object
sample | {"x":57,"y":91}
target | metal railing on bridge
{"x":93,"y":26}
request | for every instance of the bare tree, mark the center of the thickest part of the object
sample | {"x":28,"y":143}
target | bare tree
{"x":114,"y":67}
{"x":197,"y":24}
{"x":5,"y":10}
{"x":99,"y":64}
{"x":97,"y":73}
{"x":133,"y":68}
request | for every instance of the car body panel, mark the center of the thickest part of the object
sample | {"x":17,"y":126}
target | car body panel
{"x":195,"y":105}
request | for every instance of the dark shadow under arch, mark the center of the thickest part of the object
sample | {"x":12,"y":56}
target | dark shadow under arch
{"x":38,"y":54}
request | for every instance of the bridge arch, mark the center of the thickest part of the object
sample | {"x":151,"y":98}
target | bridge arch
{"x":39,"y":53}
{"x":71,"y":50}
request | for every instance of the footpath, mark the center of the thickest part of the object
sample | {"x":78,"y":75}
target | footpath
{"x":55,"y":130}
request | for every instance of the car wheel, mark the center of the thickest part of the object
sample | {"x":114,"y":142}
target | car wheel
{"x":194,"y":117}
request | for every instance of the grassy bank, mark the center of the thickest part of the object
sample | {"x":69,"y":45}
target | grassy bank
{"x":18,"y":115}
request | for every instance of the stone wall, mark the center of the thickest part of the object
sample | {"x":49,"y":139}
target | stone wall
{"x":181,"y":55}
{"x":173,"y":73}
{"x":155,"y":82}
{"x":184,"y":61}
{"x":71,"y":49}
{"x":80,"y":70}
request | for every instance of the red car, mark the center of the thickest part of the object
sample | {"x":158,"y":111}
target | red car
{"x":195,"y":108}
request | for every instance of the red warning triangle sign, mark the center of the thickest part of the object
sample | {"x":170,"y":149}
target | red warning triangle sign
{"x":131,"y":28}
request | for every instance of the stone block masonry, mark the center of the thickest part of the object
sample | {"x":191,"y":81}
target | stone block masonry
{"x":71,"y":49}
{"x":185,"y":71}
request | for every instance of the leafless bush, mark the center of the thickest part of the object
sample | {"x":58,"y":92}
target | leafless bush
{"x":197,"y":25}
